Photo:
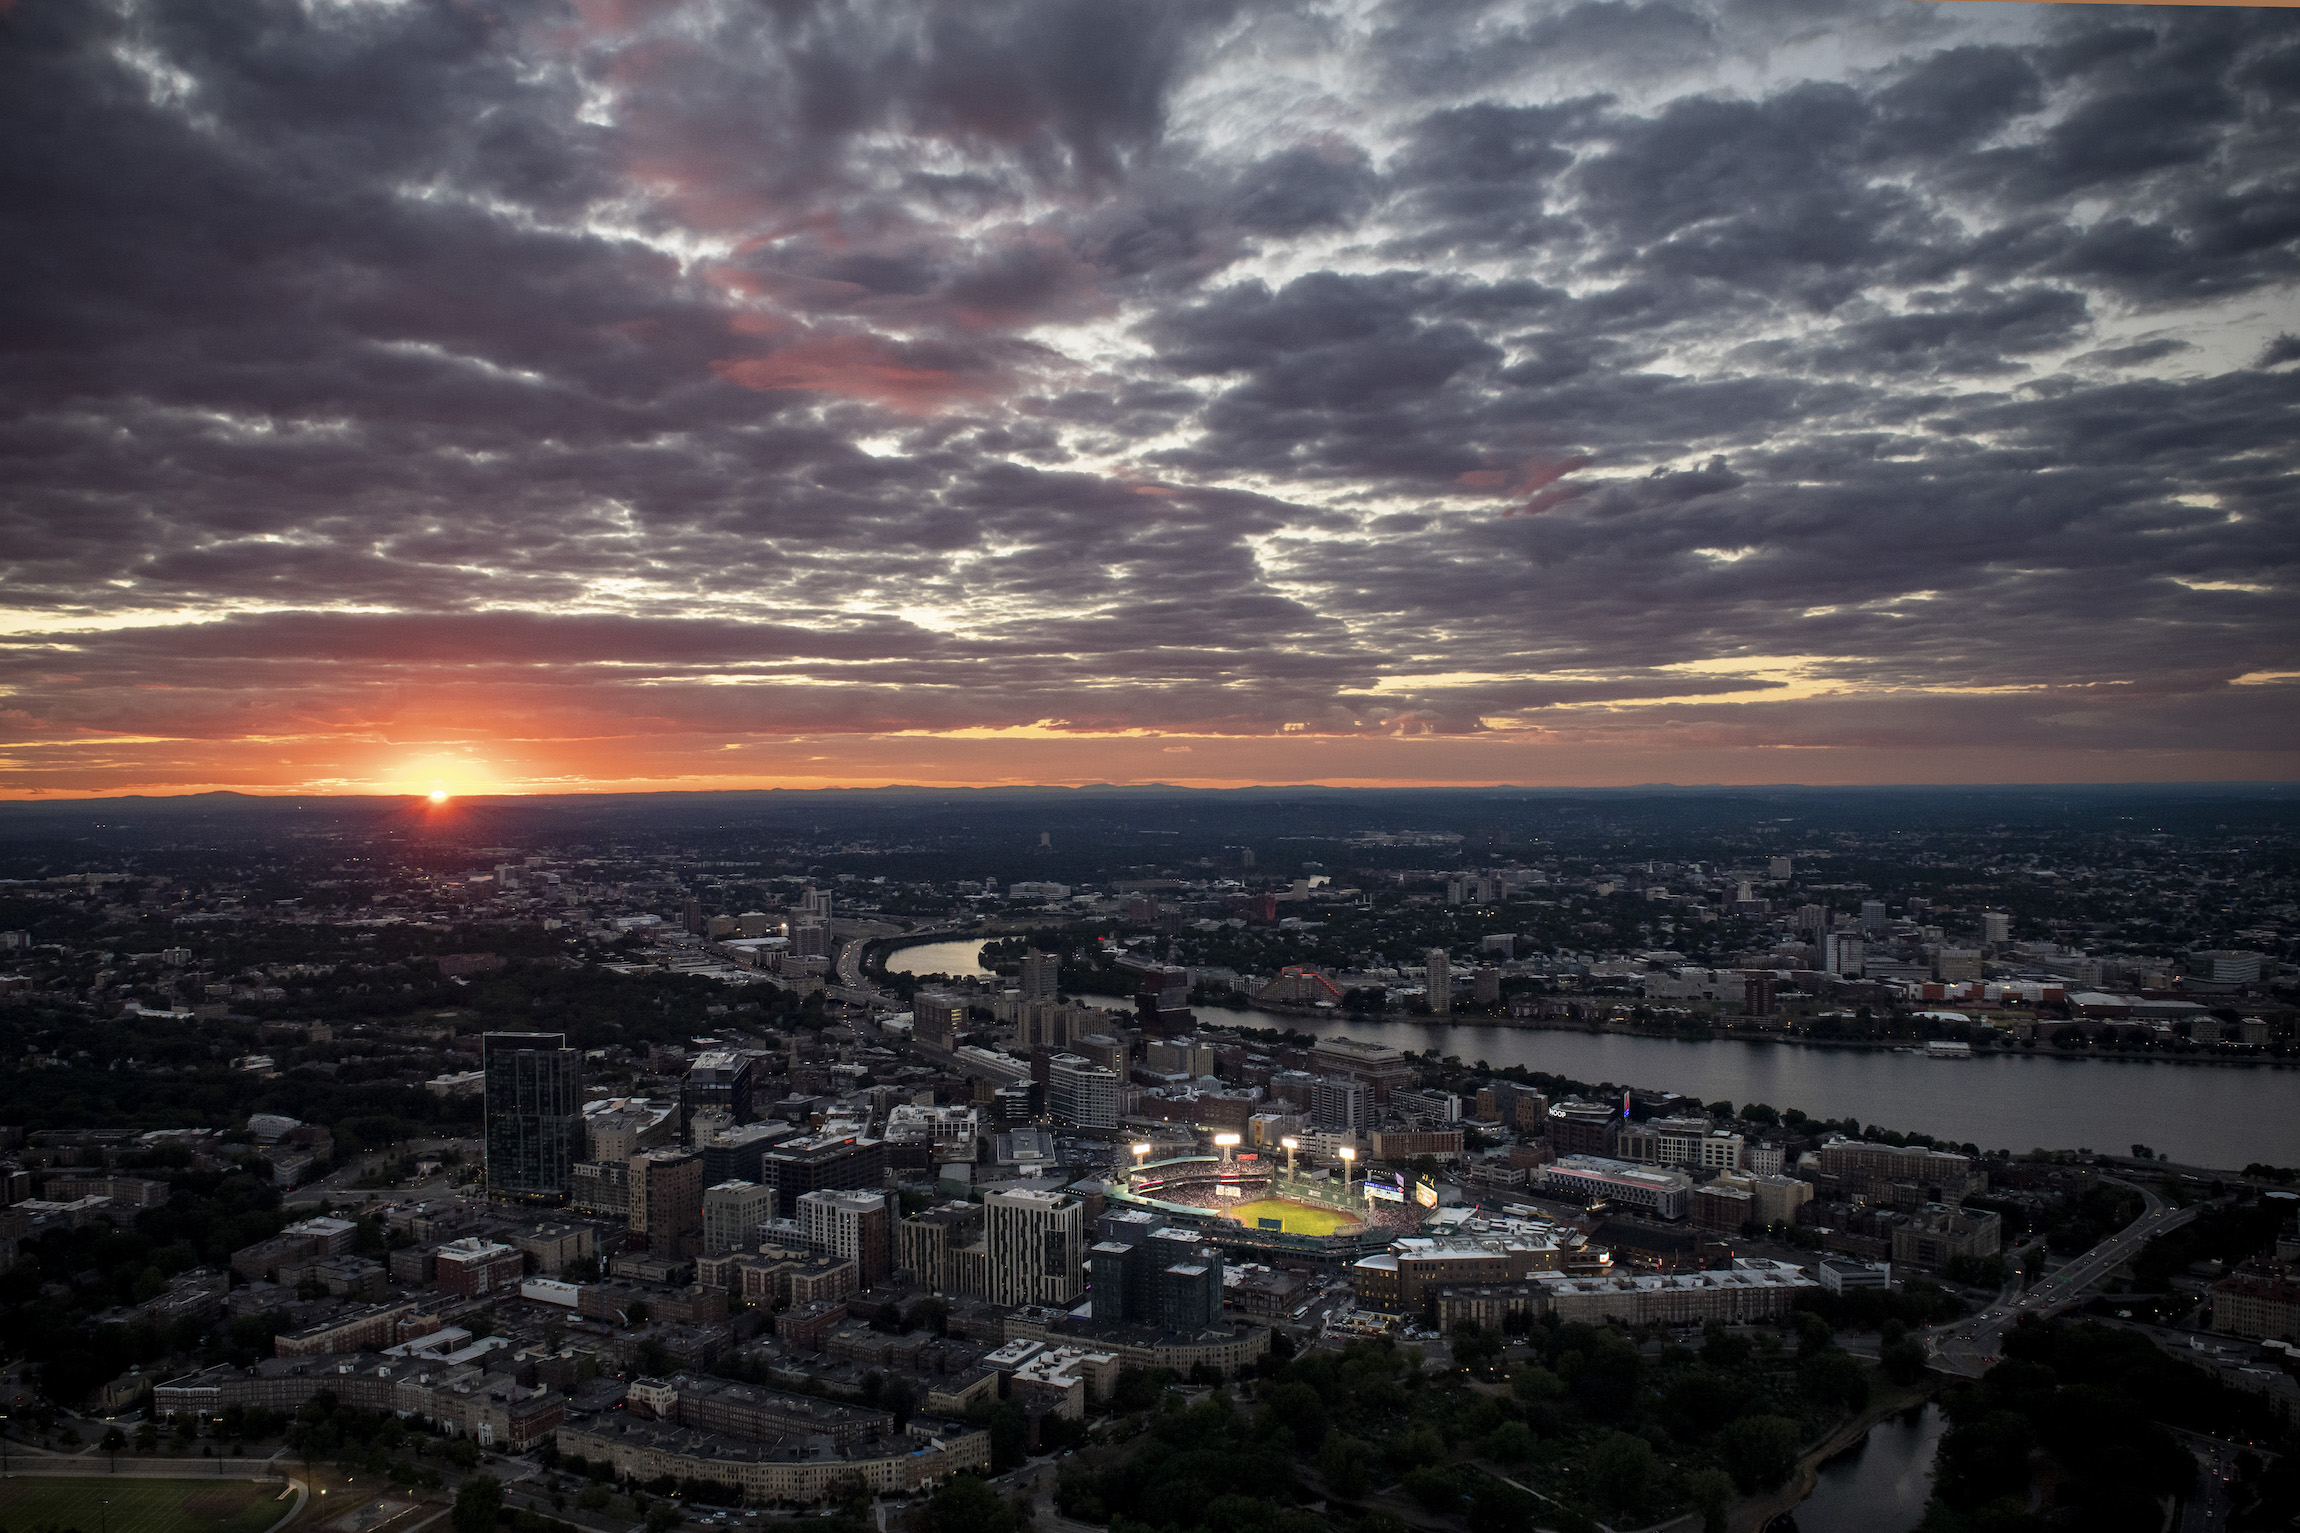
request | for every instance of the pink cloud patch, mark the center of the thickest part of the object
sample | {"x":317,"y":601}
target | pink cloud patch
{"x":1535,"y":478}
{"x":1549,"y":499}
{"x":856,"y":366}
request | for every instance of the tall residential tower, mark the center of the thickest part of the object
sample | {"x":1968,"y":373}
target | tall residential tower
{"x":534,"y":1115}
{"x":1037,"y":1246}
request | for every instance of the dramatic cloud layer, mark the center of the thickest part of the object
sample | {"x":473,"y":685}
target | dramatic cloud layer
{"x":755,"y":391}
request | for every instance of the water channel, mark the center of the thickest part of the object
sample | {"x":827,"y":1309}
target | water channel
{"x":1881,"y":1483}
{"x":2210,"y":1115}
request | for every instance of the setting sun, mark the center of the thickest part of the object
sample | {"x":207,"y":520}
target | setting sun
{"x":439,"y":777}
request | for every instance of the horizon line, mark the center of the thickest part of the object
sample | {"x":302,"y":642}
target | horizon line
{"x":52,"y":798}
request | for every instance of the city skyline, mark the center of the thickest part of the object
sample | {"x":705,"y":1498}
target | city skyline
{"x":625,"y":396}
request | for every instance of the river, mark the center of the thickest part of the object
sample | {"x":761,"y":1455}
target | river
{"x":1881,"y":1484}
{"x":2208,"y":1115}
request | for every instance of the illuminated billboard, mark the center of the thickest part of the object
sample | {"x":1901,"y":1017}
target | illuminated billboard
{"x":1386,"y":1186}
{"x":1425,"y":1193}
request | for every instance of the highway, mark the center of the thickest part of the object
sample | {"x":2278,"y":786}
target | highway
{"x":1969,"y":1346}
{"x":847,"y":967}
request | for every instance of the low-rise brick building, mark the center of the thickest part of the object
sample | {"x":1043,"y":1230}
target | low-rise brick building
{"x":1411,"y":1144}
{"x":362,"y":1330}
{"x":1937,"y":1234}
{"x":804,"y":1326}
{"x":471,"y":1268}
{"x":692,"y":1305}
{"x":464,"y":1400}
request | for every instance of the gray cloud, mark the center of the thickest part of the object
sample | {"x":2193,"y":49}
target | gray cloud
{"x":851,"y":367}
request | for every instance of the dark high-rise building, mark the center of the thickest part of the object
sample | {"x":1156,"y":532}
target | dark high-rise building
{"x":1154,"y":1275}
{"x":835,"y":1162}
{"x":736,"y":1155}
{"x":666,"y":1208}
{"x":1112,"y":1268}
{"x":1119,"y":1263}
{"x":1162,"y":1002}
{"x":722,"y":1080}
{"x":534,"y":1115}
{"x":1190,"y":1294}
{"x":1185,"y":1281}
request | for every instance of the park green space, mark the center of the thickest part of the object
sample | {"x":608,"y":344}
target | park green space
{"x":103,"y":1504}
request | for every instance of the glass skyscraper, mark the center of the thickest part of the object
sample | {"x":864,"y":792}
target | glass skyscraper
{"x":534,"y":1115}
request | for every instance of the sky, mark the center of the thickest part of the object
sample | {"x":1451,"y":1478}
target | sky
{"x":524,"y":396}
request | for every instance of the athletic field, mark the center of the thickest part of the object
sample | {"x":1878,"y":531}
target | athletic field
{"x":1300,"y":1218}
{"x":141,"y":1506}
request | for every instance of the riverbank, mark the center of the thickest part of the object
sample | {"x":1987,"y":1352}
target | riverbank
{"x":2015,"y":1100}
{"x":1735,"y":1035}
{"x":1239,"y":1011}
{"x":1752,"y":1514}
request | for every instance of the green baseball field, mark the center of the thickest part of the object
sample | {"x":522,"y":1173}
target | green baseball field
{"x":1298,"y":1218}
{"x":108,"y":1505}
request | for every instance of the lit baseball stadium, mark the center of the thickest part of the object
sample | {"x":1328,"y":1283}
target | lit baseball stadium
{"x":1250,"y":1204}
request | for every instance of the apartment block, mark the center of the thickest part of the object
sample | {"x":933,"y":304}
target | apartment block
{"x":850,"y":1226}
{"x":1035,"y":1245}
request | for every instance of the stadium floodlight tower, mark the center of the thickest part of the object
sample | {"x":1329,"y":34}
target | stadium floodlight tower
{"x":1141,"y":1153}
{"x":1349,"y":1154}
{"x":1228,"y":1144}
{"x":1290,"y":1144}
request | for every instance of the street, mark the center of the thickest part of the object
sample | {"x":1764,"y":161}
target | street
{"x":2208,"y":1508}
{"x":1035,"y":1480}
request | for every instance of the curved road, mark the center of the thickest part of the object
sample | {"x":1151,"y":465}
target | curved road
{"x":302,"y":1494}
{"x":1969,"y":1346}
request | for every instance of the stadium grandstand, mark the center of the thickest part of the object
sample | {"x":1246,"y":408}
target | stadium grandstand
{"x":1246,"y":1205}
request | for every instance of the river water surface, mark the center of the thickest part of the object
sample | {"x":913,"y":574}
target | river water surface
{"x":1882,"y":1483}
{"x":2209,"y":1115}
